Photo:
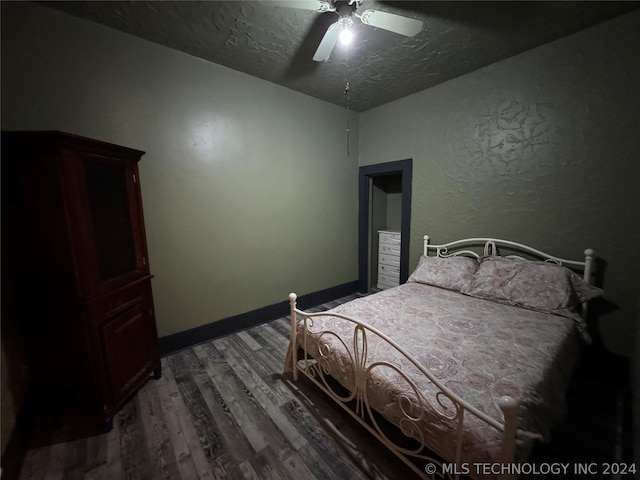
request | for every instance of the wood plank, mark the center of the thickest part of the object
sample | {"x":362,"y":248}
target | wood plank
{"x":319,"y":468}
{"x":112,"y":466}
{"x":96,"y":453}
{"x":35,"y":462}
{"x":136,"y":463}
{"x":243,"y":425}
{"x":74,"y":465}
{"x":188,"y":431}
{"x":259,"y":429}
{"x":249,"y":340}
{"x":274,"y":357}
{"x":282,"y":326}
{"x":248,"y":471}
{"x":269,"y":368}
{"x":273,"y":337}
{"x":234,"y":446}
{"x":268,"y":465}
{"x":297,"y":468}
{"x":322,"y":443}
{"x":158,"y":441}
{"x":56,"y":462}
{"x":167,"y":393}
{"x":263,"y":394}
{"x":209,"y":439}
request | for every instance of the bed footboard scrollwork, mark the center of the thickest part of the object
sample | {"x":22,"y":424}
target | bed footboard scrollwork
{"x":351,"y":371}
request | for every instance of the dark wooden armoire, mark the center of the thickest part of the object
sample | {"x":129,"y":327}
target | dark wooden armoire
{"x":75,"y":272}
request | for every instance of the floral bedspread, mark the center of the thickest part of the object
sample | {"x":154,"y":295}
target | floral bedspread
{"x":479,"y":349}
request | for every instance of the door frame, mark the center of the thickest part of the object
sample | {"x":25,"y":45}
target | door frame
{"x":365,"y":174}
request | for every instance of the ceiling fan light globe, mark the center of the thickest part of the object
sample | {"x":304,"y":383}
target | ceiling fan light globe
{"x":346,"y":36}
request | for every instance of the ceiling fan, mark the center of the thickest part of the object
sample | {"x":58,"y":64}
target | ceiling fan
{"x":346,"y":10}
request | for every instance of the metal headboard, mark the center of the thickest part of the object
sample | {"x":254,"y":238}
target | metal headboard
{"x":491,"y":246}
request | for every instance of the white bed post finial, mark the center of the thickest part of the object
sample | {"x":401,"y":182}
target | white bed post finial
{"x":294,"y":343}
{"x":511,"y":411}
{"x":425,"y":245}
{"x":589,"y":255}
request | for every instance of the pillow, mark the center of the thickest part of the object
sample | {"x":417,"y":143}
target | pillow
{"x":451,"y":273}
{"x":541,"y":286}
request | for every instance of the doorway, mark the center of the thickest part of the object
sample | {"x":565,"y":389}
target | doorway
{"x":384,"y":205}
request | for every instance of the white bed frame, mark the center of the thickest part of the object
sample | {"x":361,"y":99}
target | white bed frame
{"x":318,"y":372}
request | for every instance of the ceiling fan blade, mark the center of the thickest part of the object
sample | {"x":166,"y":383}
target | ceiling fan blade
{"x":314,"y":5}
{"x":328,"y":42}
{"x":392,"y":22}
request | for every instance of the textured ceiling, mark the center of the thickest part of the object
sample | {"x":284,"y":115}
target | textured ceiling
{"x":277,"y":43}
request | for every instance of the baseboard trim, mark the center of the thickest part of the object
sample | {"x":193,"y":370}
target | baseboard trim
{"x":194,"y":336}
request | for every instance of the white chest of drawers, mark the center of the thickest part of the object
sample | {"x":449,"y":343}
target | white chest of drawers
{"x":388,"y":259}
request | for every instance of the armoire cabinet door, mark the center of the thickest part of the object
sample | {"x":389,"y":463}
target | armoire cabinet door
{"x":130,"y":348}
{"x":114,"y":222}
{"x":110,"y":218}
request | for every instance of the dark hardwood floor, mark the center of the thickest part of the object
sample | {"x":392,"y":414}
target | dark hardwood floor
{"x":224,"y":410}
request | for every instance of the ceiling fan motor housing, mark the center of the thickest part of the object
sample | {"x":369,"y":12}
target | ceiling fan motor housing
{"x":346,"y":8}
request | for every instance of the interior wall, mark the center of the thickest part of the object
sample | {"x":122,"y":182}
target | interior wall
{"x":228,"y":169}
{"x":394,"y":211}
{"x":540,"y":148}
{"x":378,"y":221}
{"x":243,"y":194}
{"x":385,"y":214}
